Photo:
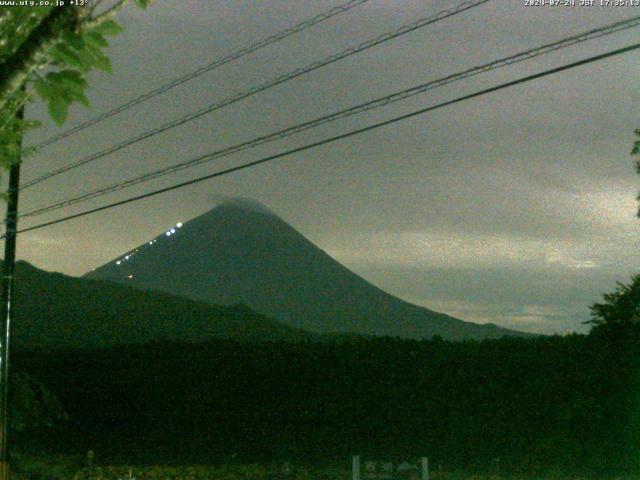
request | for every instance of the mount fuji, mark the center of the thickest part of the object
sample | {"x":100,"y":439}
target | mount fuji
{"x":242,"y":253}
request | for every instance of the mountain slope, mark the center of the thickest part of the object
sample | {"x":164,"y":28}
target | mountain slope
{"x":241,"y":254}
{"x":55,"y":310}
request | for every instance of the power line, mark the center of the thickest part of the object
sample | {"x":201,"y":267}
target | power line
{"x":339,"y":137}
{"x":379,"y":102}
{"x":204,"y":69}
{"x":254,"y":90}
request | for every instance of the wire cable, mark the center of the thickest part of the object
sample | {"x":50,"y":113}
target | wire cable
{"x":423,"y":22}
{"x":377,"y":103}
{"x":338,"y":137}
{"x":204,"y":69}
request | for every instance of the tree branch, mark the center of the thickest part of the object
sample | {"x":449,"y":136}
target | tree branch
{"x":109,"y":13}
{"x":14,"y":110}
{"x":94,"y":7}
{"x":15,"y":70}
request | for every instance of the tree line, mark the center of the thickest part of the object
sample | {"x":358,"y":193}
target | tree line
{"x":549,"y":403}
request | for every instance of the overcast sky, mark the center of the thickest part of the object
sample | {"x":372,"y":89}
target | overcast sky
{"x":516,"y":208}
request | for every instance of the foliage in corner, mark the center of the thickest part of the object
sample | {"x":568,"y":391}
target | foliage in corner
{"x":73,"y":57}
{"x":46,"y":52}
{"x":620,"y":309}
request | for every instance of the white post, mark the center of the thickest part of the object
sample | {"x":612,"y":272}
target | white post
{"x":356,"y":467}
{"x":425,"y":469}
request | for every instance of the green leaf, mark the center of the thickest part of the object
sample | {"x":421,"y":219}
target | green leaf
{"x":108,"y":27}
{"x":82,"y":98}
{"x":94,"y":57}
{"x":74,"y":40}
{"x":43,"y":88}
{"x":73,"y":77}
{"x":58,"y":109}
{"x":66,"y":56}
{"x":104,"y":63}
{"x":142,"y":3}
{"x":100,"y":60}
{"x":96,"y":39}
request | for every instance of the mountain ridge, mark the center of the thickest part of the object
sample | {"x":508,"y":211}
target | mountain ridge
{"x":236,"y":253}
{"x":53,"y":311}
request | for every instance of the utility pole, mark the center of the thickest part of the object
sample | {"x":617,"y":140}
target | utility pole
{"x":6,"y":311}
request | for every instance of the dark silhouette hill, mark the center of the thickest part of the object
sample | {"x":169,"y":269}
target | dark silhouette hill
{"x":243,"y":253}
{"x":53,"y":310}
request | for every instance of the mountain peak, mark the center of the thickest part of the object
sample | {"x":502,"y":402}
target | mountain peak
{"x":242,"y":252}
{"x":243,"y":203}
